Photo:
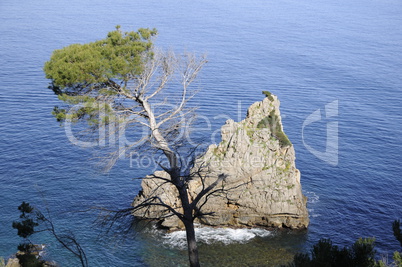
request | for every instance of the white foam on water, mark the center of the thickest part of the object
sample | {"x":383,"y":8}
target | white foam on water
{"x":312,"y":197}
{"x":210,"y":235}
{"x":313,"y":213}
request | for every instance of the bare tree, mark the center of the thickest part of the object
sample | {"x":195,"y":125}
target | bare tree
{"x":166,"y":120}
{"x":166,"y":123}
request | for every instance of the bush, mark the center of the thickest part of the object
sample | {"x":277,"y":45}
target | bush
{"x":361,"y":254}
{"x":325,"y":254}
{"x":272,"y":122}
{"x":268,"y":94}
{"x":30,"y":260}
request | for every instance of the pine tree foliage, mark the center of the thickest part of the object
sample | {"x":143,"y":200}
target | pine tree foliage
{"x":91,"y":73}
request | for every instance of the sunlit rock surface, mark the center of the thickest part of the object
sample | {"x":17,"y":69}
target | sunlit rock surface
{"x":262,"y":185}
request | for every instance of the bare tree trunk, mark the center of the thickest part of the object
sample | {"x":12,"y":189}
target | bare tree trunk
{"x":187,"y":219}
{"x":174,"y":170}
{"x":191,"y":244}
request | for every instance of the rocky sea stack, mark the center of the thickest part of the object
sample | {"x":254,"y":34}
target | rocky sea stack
{"x":261,"y":186}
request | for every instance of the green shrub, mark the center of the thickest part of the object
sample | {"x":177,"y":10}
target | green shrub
{"x":272,"y":122}
{"x":283,"y":139}
{"x":324,"y":254}
{"x":268,"y":94}
{"x":361,"y":254}
{"x":30,"y":260}
{"x":396,"y":228}
{"x":397,"y":259}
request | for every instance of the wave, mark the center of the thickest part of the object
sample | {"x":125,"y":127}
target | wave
{"x":210,"y":235}
{"x":312,"y":198}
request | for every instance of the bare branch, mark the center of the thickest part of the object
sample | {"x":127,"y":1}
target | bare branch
{"x":205,"y":191}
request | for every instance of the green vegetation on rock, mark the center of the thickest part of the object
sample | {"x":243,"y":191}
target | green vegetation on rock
{"x":268,"y":94}
{"x":272,"y":122}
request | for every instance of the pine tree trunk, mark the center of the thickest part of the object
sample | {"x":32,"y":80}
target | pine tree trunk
{"x":187,"y":219}
{"x":192,"y":244}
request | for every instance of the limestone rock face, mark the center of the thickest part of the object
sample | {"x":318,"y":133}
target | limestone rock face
{"x":262,"y":185}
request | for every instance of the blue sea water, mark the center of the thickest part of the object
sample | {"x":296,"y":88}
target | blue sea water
{"x":310,"y":53}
